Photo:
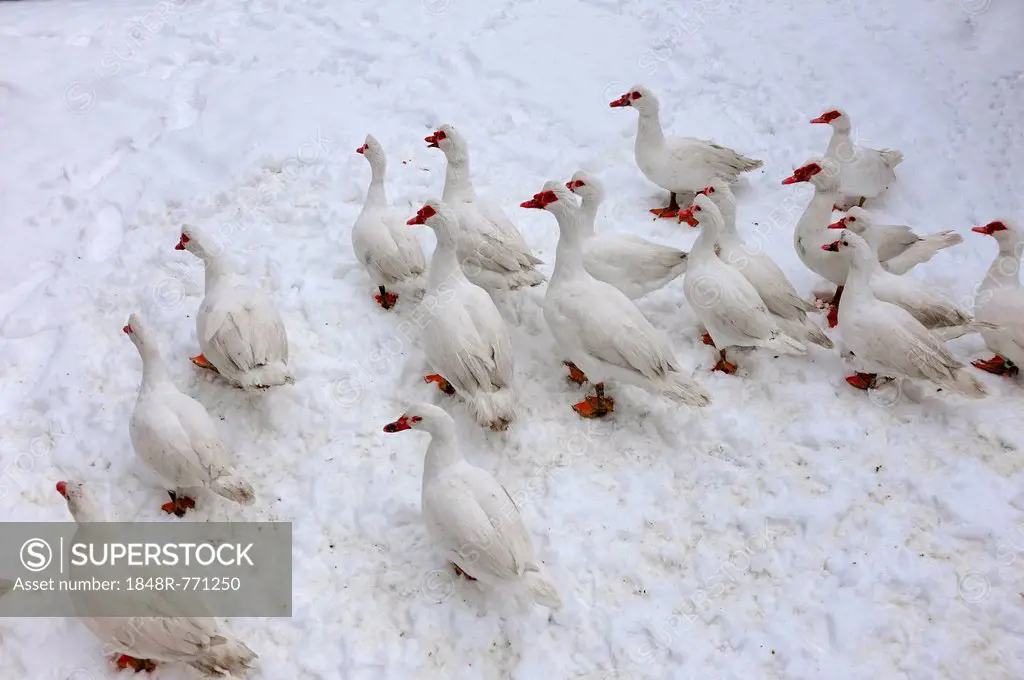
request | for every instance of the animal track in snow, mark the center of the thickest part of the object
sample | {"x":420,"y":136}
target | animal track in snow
{"x":105,"y":238}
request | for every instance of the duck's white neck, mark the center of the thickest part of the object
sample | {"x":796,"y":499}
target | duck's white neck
{"x":376,"y":195}
{"x":858,"y":278}
{"x":648,"y":130}
{"x":704,"y":247}
{"x":1005,"y":269}
{"x":727,"y":207}
{"x":86,"y":510}
{"x":217,"y":268}
{"x":818,"y":212}
{"x":154,"y":370}
{"x":840,"y":146}
{"x":444,"y":265}
{"x":443,"y":450}
{"x":588,"y":216}
{"x":457,"y":182}
{"x":569,"y":253}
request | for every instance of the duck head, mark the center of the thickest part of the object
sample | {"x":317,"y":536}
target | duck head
{"x":702,"y":212}
{"x":436,"y":214}
{"x":81,"y":504}
{"x":638,"y":97}
{"x":586,"y":186}
{"x":372,"y":151}
{"x":837,"y":118}
{"x":821,"y":172}
{"x":555,"y":197}
{"x":857,"y":220}
{"x":448,"y":140}
{"x":426,"y":417}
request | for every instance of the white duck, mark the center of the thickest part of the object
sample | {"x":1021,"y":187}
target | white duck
{"x":466,"y":340}
{"x":1000,"y":300}
{"x":933,"y":310}
{"x":387,"y":248}
{"x":723,"y":299}
{"x":634,"y":265}
{"x":864,"y":173}
{"x":241,"y":334}
{"x":472,"y":516}
{"x":677,"y":164}
{"x":493,"y":251}
{"x":812,"y":232}
{"x":144,"y":641}
{"x":780,"y":297}
{"x":598,"y":328}
{"x":886,"y":337}
{"x":899,"y":248}
{"x":174,"y":435}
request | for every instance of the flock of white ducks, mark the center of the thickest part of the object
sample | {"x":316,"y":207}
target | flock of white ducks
{"x":893,"y":327}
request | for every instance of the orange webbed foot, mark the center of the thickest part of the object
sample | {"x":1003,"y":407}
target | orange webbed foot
{"x":997,"y":365}
{"x":594,"y":407}
{"x":203,"y":362}
{"x":124,"y":661}
{"x":460,"y":572}
{"x":387,"y":301}
{"x":179,"y":505}
{"x":833,"y":316}
{"x":862,"y":381}
{"x":724,"y":366}
{"x":665,"y":213}
{"x":442,"y":384}
{"x":575,"y":374}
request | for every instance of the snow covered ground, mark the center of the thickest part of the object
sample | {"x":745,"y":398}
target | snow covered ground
{"x":795,"y":529}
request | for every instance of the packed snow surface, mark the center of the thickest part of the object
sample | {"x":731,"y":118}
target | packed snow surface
{"x":796,"y":528}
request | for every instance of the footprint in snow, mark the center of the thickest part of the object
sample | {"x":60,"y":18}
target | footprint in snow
{"x":105,"y":238}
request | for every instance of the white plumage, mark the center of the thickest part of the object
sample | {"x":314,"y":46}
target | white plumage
{"x":174,"y":435}
{"x":240,"y":331}
{"x":1000,"y":300}
{"x":471,"y":516}
{"x":382,"y":242}
{"x":465,"y":340}
{"x":863,"y":172}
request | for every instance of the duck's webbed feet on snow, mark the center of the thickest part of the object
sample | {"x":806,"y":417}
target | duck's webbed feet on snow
{"x":672,"y":210}
{"x":596,"y":406}
{"x":459,"y":572}
{"x":385,"y":299}
{"x":575,"y":374}
{"x":124,"y":661}
{"x":442,"y":384}
{"x":724,"y":365}
{"x":179,"y":505}
{"x":997,"y":365}
{"x":863,"y":381}
{"x":203,"y":362}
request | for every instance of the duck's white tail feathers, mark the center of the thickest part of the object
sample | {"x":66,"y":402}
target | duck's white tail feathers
{"x":783,"y":344}
{"x":805,"y":330}
{"x":967,"y":385}
{"x":493,"y":409}
{"x":921,"y":251}
{"x":268,"y":375}
{"x":224,"y":656}
{"x":684,"y":389}
{"x":526,"y":277}
{"x":953,"y":332}
{"x":891,"y":157}
{"x":542,"y":590}
{"x":234,"y":488}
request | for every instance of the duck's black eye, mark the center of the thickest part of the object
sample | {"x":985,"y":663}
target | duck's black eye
{"x":845,"y":243}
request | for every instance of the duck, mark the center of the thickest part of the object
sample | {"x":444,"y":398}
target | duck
{"x":471,"y":516}
{"x":142,"y":642}
{"x":600,"y":331}
{"x":677,"y":164}
{"x":1000,"y":301}
{"x":174,"y":435}
{"x":780,"y":297}
{"x":465,"y":340}
{"x":887,"y":338}
{"x":387,"y":248}
{"x":241,"y":334}
{"x":924,"y":304}
{"x":632,"y":264}
{"x":812,"y":232}
{"x":899,"y":248}
{"x":863,"y":173}
{"x":726,"y":303}
{"x":494,"y":253}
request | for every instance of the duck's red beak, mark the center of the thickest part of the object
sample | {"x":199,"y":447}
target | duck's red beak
{"x":363,"y":148}
{"x":840,"y":224}
{"x":687,"y":216}
{"x":621,"y":101}
{"x":399,"y":425}
{"x":62,"y":489}
{"x":831,"y":247}
{"x":127,"y":330}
